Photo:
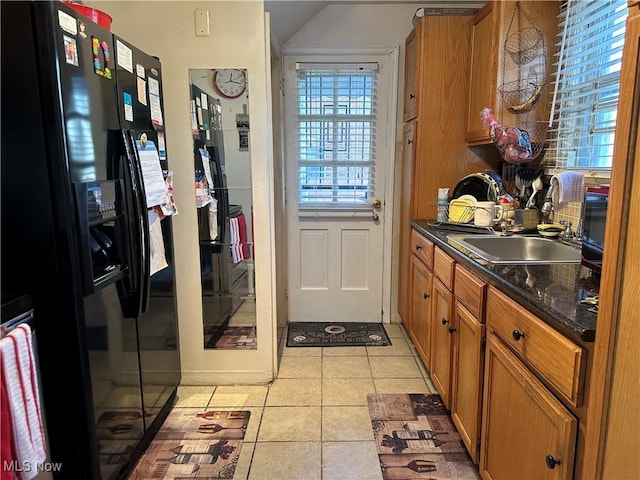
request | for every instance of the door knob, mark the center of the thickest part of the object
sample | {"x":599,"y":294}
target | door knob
{"x":376,"y":203}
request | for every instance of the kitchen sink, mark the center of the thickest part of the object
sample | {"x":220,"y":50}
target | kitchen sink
{"x":516,"y":249}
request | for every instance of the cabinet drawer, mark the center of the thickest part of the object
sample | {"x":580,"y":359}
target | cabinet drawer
{"x":554,"y":357}
{"x":470,"y":291}
{"x":444,"y":267}
{"x":422,"y":248}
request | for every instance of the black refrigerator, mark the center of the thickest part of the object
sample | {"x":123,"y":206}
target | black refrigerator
{"x":87,"y":232}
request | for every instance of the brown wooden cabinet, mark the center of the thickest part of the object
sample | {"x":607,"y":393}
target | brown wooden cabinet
{"x":552,"y":356}
{"x":468,"y":358}
{"x":490,"y":27}
{"x":484,"y":70}
{"x":443,"y":328}
{"x":412,"y":50}
{"x":527,"y":363}
{"x":435,"y":153}
{"x":421,"y":281}
{"x":526,"y":431}
{"x":418,"y":321}
{"x":468,"y":361}
{"x":408,"y":158}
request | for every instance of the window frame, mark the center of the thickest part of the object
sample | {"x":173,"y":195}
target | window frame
{"x":334,"y":126}
{"x":559,"y":143}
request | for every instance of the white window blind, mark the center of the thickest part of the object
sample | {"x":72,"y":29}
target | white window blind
{"x":587,"y":83}
{"x":336,"y":107}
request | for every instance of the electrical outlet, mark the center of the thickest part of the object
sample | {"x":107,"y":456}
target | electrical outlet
{"x":202,"y":22}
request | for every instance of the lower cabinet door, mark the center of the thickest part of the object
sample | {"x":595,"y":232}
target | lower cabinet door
{"x":421,"y":308}
{"x":466,"y":389}
{"x":526,"y":432}
{"x":442,"y":333}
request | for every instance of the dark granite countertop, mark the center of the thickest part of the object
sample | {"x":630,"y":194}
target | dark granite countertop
{"x":552,"y":292}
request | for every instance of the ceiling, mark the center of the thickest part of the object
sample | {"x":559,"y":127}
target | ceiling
{"x":289,"y":16}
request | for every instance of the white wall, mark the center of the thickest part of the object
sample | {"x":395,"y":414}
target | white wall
{"x":237,"y":40}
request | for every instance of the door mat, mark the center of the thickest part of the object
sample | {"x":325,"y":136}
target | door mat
{"x":194,"y":445}
{"x":336,"y":334}
{"x":415,"y":438}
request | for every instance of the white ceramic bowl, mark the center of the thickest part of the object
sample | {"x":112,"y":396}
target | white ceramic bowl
{"x":550,"y":230}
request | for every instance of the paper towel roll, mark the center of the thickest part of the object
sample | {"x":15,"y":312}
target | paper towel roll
{"x":443,"y":204}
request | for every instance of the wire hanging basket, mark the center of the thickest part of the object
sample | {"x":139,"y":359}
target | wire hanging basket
{"x":516,"y":144}
{"x":521,"y":96}
{"x":524,"y":45}
{"x":522,"y":135}
{"x":535,"y":135}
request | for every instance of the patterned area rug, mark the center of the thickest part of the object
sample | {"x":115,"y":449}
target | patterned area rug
{"x":239,"y":338}
{"x":194,"y":445}
{"x":338,"y":334}
{"x":416,"y":438}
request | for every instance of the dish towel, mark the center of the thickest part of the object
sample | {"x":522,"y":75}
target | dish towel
{"x":236,"y":247}
{"x":20,"y":379}
{"x":242,"y":230}
{"x":6,"y":434}
{"x":567,"y":187}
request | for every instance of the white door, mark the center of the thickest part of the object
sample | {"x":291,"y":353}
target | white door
{"x":340,"y":131}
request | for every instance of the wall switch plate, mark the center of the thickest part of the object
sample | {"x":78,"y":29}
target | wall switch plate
{"x":202,"y":22}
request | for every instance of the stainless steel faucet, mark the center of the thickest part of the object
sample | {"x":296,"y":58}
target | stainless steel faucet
{"x":547,"y":209}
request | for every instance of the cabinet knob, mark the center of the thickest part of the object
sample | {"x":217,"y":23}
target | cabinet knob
{"x":517,"y":335}
{"x":444,"y":321}
{"x":451,"y":329}
{"x":418,"y":247}
{"x":409,"y":142}
{"x":552,"y":462}
{"x":412,"y":96}
{"x":425,"y":295}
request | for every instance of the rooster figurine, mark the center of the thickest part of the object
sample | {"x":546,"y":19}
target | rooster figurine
{"x":513,"y":143}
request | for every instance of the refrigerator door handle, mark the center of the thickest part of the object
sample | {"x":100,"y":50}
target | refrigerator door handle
{"x":145,"y":284}
{"x":141,"y":223}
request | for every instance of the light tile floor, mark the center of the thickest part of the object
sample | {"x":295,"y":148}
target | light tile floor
{"x":312,"y":422}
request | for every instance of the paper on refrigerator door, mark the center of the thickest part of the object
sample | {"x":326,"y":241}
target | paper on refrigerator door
{"x":158,"y":260}
{"x":205,"y":165}
{"x":154,"y":184}
{"x":125,"y":56}
{"x":155,"y":105}
{"x":213,"y":219}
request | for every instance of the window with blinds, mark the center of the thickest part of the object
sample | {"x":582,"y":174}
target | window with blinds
{"x":336,"y":119}
{"x":587,"y":83}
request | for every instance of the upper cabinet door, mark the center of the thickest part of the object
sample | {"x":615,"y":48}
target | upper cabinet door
{"x":411,"y":83}
{"x":491,"y":25}
{"x":483,"y":86}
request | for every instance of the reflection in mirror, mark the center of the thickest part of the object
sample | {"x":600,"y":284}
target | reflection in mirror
{"x":220,"y":128}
